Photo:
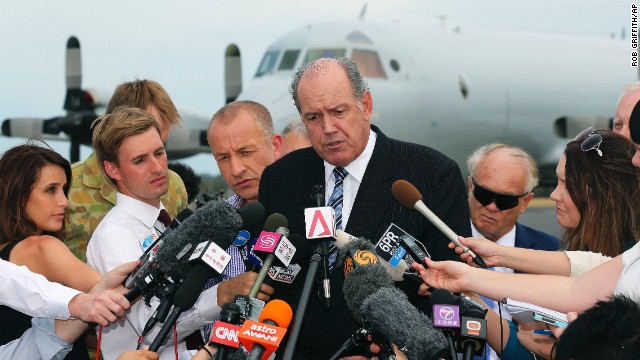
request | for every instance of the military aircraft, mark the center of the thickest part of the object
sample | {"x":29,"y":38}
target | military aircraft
{"x":83,"y":106}
{"x":455,"y":90}
{"x":449,"y":88}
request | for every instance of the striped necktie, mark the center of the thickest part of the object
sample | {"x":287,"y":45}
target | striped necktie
{"x":335,"y":201}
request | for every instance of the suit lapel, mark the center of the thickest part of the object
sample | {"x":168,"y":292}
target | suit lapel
{"x":523,"y":239}
{"x":374,"y":194}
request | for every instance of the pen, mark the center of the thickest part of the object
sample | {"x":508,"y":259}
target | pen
{"x":543,"y":332}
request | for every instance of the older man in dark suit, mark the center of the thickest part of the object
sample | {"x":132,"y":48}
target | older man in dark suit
{"x":357,"y":164}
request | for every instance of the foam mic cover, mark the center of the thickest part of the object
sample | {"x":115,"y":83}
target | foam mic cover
{"x":214,"y":217}
{"x":191,"y":287}
{"x":253,"y":219}
{"x":362,"y":281}
{"x":410,"y":197}
{"x":275,"y":221}
{"x":396,"y":273}
{"x":391,"y":315}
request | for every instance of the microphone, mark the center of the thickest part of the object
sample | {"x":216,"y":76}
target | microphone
{"x":398,"y":272}
{"x":252,"y":215}
{"x":148,"y":257}
{"x":407,"y":195}
{"x":171,"y":259}
{"x":320,"y":223}
{"x":208,"y":260}
{"x":370,"y":295}
{"x":467,"y":325}
{"x":226,"y":329}
{"x":273,"y":241}
{"x":263,"y":337}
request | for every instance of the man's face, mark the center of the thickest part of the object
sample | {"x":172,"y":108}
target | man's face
{"x":242,"y":152}
{"x":337,"y":127}
{"x":499,"y":173}
{"x":623,"y":113}
{"x":142,"y":170}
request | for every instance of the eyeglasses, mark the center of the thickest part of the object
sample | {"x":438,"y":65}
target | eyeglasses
{"x":503,"y":201}
{"x":590,"y":140}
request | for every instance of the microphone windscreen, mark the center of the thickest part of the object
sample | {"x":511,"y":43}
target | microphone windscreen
{"x":275,"y":221}
{"x":278,"y":311}
{"x":361,"y":283}
{"x":252,"y":216}
{"x":354,"y":244}
{"x":442,"y":297}
{"x":405,"y":193}
{"x":183,"y":215}
{"x":392,"y":316}
{"x":198,"y":275}
{"x":237,"y":354}
{"x":214,"y":217}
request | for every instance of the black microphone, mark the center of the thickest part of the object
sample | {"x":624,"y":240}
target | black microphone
{"x":253,"y":216}
{"x":225,"y":331}
{"x":148,"y":257}
{"x":171,"y":258}
{"x":317,"y":194}
{"x":370,"y":295}
{"x":270,"y":241}
{"x":207,"y":260}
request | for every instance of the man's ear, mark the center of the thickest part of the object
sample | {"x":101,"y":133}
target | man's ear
{"x":112,"y":170}
{"x":367,"y":105}
{"x":276,"y":144}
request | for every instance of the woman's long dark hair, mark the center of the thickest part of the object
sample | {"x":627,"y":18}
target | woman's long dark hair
{"x":606,"y":191}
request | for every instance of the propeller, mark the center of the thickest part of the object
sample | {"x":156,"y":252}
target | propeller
{"x":79,"y":105}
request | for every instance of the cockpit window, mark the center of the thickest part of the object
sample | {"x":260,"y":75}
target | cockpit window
{"x":368,"y":63}
{"x":289,"y":59}
{"x":268,"y":63}
{"x":314,"y":54}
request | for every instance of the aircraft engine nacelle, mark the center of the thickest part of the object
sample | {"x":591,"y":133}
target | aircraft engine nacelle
{"x":568,"y":127}
{"x":185,"y":142}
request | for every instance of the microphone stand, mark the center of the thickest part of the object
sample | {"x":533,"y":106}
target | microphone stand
{"x":317,"y":194}
{"x":309,"y":281}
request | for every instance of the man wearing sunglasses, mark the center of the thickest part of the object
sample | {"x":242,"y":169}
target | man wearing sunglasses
{"x":500,"y":185}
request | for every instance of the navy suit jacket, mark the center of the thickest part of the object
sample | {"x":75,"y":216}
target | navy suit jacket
{"x":286,"y":186}
{"x":528,"y":238}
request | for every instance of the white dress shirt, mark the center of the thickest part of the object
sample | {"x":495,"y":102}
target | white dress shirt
{"x":508,"y":239}
{"x":33,"y":294}
{"x":118,"y":239}
{"x":352,"y":182}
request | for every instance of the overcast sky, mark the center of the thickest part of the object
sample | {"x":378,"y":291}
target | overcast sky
{"x":181,"y":43}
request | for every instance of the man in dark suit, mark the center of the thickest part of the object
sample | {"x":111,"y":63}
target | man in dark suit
{"x":500,"y":185}
{"x":335,"y":105}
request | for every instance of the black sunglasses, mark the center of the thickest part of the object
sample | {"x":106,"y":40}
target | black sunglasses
{"x":590,"y":140}
{"x":503,"y":201}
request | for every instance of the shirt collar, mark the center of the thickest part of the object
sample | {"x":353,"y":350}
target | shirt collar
{"x":140,"y":210}
{"x":508,"y":239}
{"x":358,"y":166}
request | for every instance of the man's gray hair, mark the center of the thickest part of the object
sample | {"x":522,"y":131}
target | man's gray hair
{"x":295,"y":126}
{"x":634,"y":86}
{"x":530,"y":164}
{"x":358,"y":84}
